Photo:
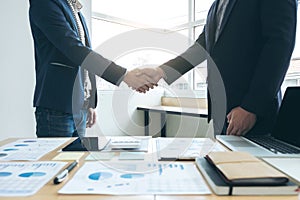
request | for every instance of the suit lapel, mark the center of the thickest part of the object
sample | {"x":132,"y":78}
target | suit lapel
{"x":71,"y":19}
{"x":86,"y":31}
{"x":69,"y":15}
{"x":226,"y":16}
{"x":210,"y":27}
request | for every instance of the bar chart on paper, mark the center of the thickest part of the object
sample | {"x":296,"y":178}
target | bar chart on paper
{"x":136,"y":178}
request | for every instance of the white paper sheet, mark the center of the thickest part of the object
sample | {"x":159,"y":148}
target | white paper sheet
{"x":289,"y":166}
{"x":185,"y":148}
{"x":136,"y":179}
{"x":94,"y":156}
{"x":30,"y":149}
{"x":143,"y":139}
{"x":26,"y":178}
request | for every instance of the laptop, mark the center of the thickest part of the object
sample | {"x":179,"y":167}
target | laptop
{"x":283,"y":141}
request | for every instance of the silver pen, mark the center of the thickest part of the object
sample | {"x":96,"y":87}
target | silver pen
{"x":63,"y":175}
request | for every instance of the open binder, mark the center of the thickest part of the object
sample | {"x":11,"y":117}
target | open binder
{"x":238,"y":173}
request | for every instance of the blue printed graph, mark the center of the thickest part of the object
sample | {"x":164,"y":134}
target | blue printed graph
{"x":100,"y":176}
{"x":4,"y":174}
{"x":132,"y":176}
{"x":32,"y":174}
{"x":21,"y":145}
{"x":3,"y":154}
{"x":10,"y":149}
{"x":29,"y":141}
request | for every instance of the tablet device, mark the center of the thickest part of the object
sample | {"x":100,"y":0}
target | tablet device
{"x":83,"y":144}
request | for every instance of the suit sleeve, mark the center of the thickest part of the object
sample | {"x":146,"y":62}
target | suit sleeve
{"x":49,"y":17}
{"x":193,"y":56}
{"x":278,"y":28}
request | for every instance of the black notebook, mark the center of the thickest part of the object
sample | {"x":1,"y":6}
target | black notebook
{"x":243,"y":169}
{"x":221,"y":187}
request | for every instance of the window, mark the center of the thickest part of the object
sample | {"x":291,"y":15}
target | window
{"x":112,"y":18}
{"x":292,"y":77}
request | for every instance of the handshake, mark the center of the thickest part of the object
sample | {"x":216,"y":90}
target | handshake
{"x":144,"y":79}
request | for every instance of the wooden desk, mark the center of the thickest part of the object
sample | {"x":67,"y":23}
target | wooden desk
{"x":49,"y":191}
{"x":173,"y":110}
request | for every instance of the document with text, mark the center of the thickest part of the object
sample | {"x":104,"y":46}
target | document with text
{"x":26,"y":178}
{"x":121,"y":178}
{"x":185,"y":148}
{"x":30,"y":149}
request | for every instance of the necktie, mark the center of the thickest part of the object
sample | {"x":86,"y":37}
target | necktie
{"x":75,"y":7}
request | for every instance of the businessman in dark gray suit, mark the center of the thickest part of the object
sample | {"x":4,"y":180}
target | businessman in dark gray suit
{"x":250,"y":42}
{"x":65,"y":92}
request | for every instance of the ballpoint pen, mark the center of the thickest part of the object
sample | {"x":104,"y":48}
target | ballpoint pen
{"x":63,"y":175}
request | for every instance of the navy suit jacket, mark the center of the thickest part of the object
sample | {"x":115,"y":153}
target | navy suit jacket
{"x":252,"y":54}
{"x":60,"y":57}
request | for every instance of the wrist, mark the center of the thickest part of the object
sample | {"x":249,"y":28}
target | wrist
{"x":125,"y":77}
{"x":161,"y":73}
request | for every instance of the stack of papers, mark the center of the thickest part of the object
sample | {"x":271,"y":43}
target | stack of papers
{"x":141,"y":144}
{"x":125,"y":143}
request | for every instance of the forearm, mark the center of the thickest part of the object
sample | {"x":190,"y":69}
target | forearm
{"x":194,"y":55}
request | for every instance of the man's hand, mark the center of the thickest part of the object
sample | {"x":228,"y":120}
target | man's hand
{"x":240,"y":121}
{"x":138,"y":80}
{"x":91,"y":118}
{"x":154,"y":74}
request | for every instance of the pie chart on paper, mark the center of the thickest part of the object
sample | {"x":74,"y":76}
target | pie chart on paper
{"x":32,"y":174}
{"x":100,"y":176}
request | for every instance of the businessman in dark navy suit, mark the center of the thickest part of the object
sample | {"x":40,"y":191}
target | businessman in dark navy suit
{"x":63,"y":56}
{"x":250,"y":42}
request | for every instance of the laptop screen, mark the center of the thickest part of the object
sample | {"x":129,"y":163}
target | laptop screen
{"x":287,"y":126}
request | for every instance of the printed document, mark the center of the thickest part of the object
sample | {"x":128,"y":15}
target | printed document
{"x":139,"y":178}
{"x":30,"y":149}
{"x":26,"y":178}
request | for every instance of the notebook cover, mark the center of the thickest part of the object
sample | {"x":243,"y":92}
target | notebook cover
{"x":239,"y":168}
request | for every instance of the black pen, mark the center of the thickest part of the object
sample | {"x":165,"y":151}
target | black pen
{"x":63,"y":175}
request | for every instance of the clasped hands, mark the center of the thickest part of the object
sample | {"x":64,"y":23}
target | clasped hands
{"x":142,"y":80}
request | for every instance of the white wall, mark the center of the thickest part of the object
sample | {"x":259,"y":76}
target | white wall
{"x":87,"y":11}
{"x":16,"y":71}
{"x":17,"y":77}
{"x":117,"y":113}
